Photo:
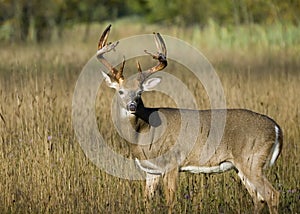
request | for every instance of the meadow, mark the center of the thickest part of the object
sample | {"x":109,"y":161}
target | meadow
{"x":43,"y":168}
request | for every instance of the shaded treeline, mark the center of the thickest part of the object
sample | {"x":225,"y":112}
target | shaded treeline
{"x":32,"y":20}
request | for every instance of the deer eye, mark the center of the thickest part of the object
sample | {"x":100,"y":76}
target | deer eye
{"x":139,"y":93}
{"x":121,"y":92}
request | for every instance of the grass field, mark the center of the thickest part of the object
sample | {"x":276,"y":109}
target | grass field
{"x":43,"y":169}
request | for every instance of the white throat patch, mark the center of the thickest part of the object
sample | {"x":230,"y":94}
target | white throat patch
{"x":124,"y":113}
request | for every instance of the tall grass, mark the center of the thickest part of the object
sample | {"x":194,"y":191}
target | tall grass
{"x":43,"y":169}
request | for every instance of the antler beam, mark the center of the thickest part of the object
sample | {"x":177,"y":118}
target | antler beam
{"x":104,"y":47}
{"x":161,"y":56}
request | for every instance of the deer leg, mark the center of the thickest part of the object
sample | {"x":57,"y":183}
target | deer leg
{"x":268,"y":192}
{"x":169,"y":180}
{"x":257,"y":199}
{"x":261,"y":191}
{"x":151,"y":184}
{"x":272,"y":198}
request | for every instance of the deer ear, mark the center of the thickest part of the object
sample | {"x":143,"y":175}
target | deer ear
{"x":151,"y":83}
{"x":110,"y":83}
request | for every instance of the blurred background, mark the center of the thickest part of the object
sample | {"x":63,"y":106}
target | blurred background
{"x":36,"y":21}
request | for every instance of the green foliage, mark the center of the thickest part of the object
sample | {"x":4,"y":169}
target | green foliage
{"x":35,"y":20}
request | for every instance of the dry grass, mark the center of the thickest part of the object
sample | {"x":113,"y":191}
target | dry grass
{"x":43,"y":168}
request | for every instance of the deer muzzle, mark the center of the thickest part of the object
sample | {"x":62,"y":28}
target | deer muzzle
{"x":132,"y":106}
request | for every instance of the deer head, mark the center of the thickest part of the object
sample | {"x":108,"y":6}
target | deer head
{"x":130,"y":94}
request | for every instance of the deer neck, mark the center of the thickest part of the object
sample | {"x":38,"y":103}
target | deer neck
{"x":144,"y":117}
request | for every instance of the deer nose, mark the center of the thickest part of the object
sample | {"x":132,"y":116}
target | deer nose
{"x":132,"y":106}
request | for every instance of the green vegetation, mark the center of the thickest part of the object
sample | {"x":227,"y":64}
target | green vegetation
{"x":32,"y":20}
{"x":43,"y":168}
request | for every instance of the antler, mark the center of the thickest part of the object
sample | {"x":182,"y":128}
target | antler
{"x":103,"y":48}
{"x":117,"y":75}
{"x":161,"y":56}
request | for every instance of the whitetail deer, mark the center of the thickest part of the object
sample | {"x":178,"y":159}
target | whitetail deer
{"x":250,"y":140}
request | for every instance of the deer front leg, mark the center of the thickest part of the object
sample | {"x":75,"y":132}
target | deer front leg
{"x":151,"y":184}
{"x":170,"y":179}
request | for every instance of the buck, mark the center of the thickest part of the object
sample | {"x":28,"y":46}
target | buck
{"x":250,"y":141}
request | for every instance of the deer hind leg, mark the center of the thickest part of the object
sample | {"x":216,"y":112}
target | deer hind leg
{"x":261,"y":191}
{"x":268,"y":192}
{"x":170,"y":186}
{"x":258,"y":200}
{"x":151,"y":185}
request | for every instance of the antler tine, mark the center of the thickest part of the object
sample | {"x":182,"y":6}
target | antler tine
{"x":161,"y":56}
{"x":160,"y":44}
{"x":141,"y":76}
{"x":103,"y":38}
{"x":139,"y":66}
{"x":103,"y":48}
